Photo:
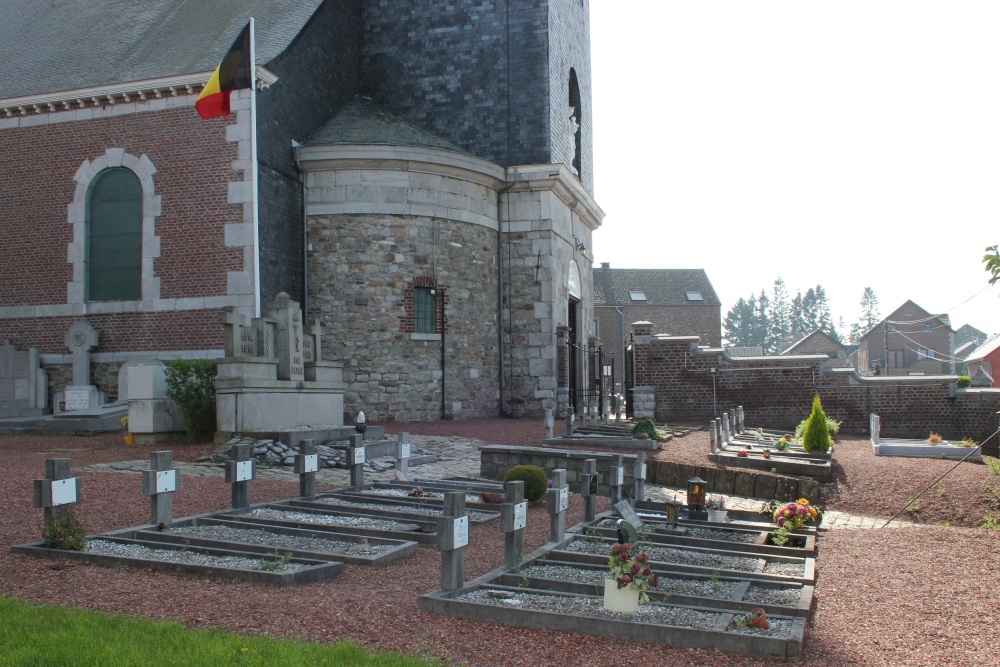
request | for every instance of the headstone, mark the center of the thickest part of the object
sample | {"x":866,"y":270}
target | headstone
{"x":123,"y":375}
{"x":306,"y":466}
{"x":81,"y":338}
{"x":452,"y":538}
{"x":557,"y":501}
{"x":625,"y":511}
{"x":56,"y":491}
{"x":640,"y":476}
{"x":159,"y":483}
{"x":513,"y":519}
{"x":356,"y":460}
{"x":876,"y":428}
{"x":726,"y":433}
{"x":588,"y":488}
{"x":617,"y":480}
{"x":288,"y":331}
{"x":570,"y":423}
{"x":403,"y":454}
{"x":232,"y":331}
{"x":240,"y":472}
{"x":549,"y":423}
{"x":23,"y":383}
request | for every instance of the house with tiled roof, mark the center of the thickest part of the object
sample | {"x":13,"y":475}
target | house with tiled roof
{"x":679,"y":302}
{"x":984,"y":362}
{"x":820,"y":342}
{"x":909,"y":341}
{"x":365,"y":175}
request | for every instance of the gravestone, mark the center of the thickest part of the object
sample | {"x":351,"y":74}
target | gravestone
{"x":288,"y":333}
{"x":306,"y":466}
{"x":557,"y":502}
{"x":513,"y":519}
{"x":588,"y":488}
{"x":240,"y":472}
{"x":159,"y":483}
{"x":452,"y":538}
{"x":57,"y":491}
{"x":123,"y":374}
{"x":23,"y":384}
{"x":81,"y":338}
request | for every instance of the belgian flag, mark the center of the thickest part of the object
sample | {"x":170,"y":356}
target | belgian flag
{"x":235,"y":72}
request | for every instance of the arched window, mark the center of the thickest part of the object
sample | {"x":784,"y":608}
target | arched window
{"x":114,"y":236}
{"x":576,"y":113}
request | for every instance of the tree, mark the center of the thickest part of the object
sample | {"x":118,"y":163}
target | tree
{"x":798,"y":320}
{"x":816,"y":437}
{"x":739,"y":323}
{"x":869,"y":315}
{"x":761,"y":323}
{"x":992,"y":261}
{"x":780,"y":326}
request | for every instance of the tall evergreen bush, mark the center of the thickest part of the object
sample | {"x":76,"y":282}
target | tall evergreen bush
{"x":191,"y":384}
{"x":816,"y":437}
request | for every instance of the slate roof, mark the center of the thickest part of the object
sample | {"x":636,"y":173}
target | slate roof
{"x":663,"y":287}
{"x":361,"y":121}
{"x":56,"y":45}
{"x":815,"y":333}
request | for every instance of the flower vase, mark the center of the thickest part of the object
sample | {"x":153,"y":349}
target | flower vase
{"x":718,"y":516}
{"x":129,"y":439}
{"x":757,"y":619}
{"x":620,"y":599}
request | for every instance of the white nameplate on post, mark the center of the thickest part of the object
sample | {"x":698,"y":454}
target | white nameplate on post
{"x":404,"y":450}
{"x":244,"y":471}
{"x":563,"y":498}
{"x":642,"y":471}
{"x":64,"y":491}
{"x":166,"y":481}
{"x":520,"y":515}
{"x":310,"y":463}
{"x":618,"y":474}
{"x":461,"y":533}
{"x":358,"y":455}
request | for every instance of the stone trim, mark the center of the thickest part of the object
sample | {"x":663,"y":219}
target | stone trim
{"x":242,"y":285}
{"x":76,"y":215}
{"x":114,"y":357}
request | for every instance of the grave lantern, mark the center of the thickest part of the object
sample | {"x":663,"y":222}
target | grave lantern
{"x":696,"y":494}
{"x":673,"y":510}
{"x":360,"y":423}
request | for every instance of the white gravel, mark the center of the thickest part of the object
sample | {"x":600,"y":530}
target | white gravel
{"x":109,"y":548}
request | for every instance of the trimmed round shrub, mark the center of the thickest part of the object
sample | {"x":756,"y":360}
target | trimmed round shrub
{"x":963,"y":381}
{"x":536,"y":483}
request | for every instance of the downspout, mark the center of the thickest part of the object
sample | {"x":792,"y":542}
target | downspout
{"x":305,"y":235}
{"x":621,"y":315}
{"x":500,"y":292}
{"x":444,"y":327}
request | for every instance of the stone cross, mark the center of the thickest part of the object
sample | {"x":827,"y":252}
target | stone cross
{"x":240,"y":472}
{"x":713,"y":436}
{"x":617,"y":480}
{"x":403,"y":454}
{"x":56,"y":491}
{"x":232,"y":328}
{"x":640,"y":477}
{"x":876,"y":428}
{"x":513,"y":519}
{"x":81,"y":339}
{"x":159,"y":483}
{"x":289,"y":346}
{"x":356,"y":459}
{"x":452,"y":538}
{"x":306,"y":466}
{"x":549,"y":423}
{"x":265,"y":332}
{"x":588,"y":489}
{"x":557,"y":501}
{"x":570,"y":422}
{"x":312,"y":343}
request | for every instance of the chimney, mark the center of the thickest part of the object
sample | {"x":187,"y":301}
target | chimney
{"x":605,"y":265}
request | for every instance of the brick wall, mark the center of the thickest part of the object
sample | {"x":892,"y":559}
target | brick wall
{"x":777,"y":392}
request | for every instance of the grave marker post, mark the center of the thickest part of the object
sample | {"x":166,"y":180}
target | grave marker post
{"x":876,"y":428}
{"x":588,"y":488}
{"x":403,"y":454}
{"x":640,"y":477}
{"x":557,"y":501}
{"x":513,"y":519}
{"x":570,"y":423}
{"x":240,"y":472}
{"x":725,"y":428}
{"x":713,"y":436}
{"x":356,"y":459}
{"x":617,"y":480}
{"x":739,"y":419}
{"x":159,"y":483}
{"x":549,"y":423}
{"x":57,"y":490}
{"x":306,"y":466}
{"x":732,"y":422}
{"x":452,"y":538}
{"x":232,"y":327}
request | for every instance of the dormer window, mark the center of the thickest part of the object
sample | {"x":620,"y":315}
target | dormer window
{"x":637,"y":296}
{"x":693,"y":296}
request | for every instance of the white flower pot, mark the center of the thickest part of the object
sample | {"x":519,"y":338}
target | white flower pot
{"x":620,"y":599}
{"x":718,"y":516}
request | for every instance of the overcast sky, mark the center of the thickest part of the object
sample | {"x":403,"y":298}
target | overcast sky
{"x":846,"y":144}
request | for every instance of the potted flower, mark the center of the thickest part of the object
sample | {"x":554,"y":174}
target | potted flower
{"x":783,"y":443}
{"x":716,"y":506}
{"x":743,"y":453}
{"x":129,"y":438}
{"x":792,"y":516}
{"x":629,"y":575}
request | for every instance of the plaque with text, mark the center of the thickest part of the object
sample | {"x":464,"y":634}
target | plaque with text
{"x":310,"y":463}
{"x":461,"y":532}
{"x":357,"y":455}
{"x":244,"y":471}
{"x":166,"y":481}
{"x":64,"y":491}
{"x":520,"y":515}
{"x":563,"y":498}
{"x":77,"y":399}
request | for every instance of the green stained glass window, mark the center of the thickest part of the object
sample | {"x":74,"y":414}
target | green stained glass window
{"x":114,"y":237}
{"x":424,"y":310}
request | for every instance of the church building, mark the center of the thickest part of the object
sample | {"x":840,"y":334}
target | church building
{"x":417,"y":175}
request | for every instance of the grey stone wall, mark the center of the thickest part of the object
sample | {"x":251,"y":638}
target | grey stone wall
{"x":496,"y":460}
{"x":569,"y":48}
{"x":360,"y":269}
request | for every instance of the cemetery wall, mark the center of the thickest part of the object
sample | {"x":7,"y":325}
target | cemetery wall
{"x":496,"y":460}
{"x":777,"y":392}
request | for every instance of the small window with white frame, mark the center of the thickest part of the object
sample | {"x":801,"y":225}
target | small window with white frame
{"x":637,"y":296}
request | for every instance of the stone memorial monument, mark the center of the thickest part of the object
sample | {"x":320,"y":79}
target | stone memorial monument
{"x":81,"y":338}
{"x":24,"y":386}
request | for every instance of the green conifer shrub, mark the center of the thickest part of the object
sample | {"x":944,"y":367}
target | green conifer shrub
{"x":816,"y":437}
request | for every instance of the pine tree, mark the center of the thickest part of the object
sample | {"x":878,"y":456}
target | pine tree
{"x":779,"y":327}
{"x":762,"y":334}
{"x":739,"y":323}
{"x":869,"y":315}
{"x":798,"y":320}
{"x":816,"y":437}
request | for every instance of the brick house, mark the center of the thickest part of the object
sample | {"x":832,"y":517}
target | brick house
{"x":421,"y":192}
{"x":909,"y":341}
{"x":678,"y":302}
{"x":820,"y":342}
{"x":983,"y":363}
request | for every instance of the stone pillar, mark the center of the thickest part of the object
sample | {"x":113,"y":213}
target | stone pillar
{"x":306,"y":466}
{"x":732,"y":423}
{"x":240,"y":472}
{"x":588,"y":489}
{"x":875,"y":427}
{"x":56,"y":491}
{"x":739,"y":419}
{"x":452,"y":538}
{"x":159,"y":483}
{"x":549,"y":423}
{"x":713,"y":437}
{"x":403,"y":454}
{"x":640,"y":477}
{"x":617,"y":478}
{"x":513,"y":519}
{"x":570,"y":422}
{"x":557,"y":501}
{"x":356,"y":459}
{"x":726,"y":433}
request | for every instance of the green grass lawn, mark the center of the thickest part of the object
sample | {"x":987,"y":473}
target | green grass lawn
{"x":33,"y":636}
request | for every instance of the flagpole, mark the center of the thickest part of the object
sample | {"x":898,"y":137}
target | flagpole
{"x":253,"y":174}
